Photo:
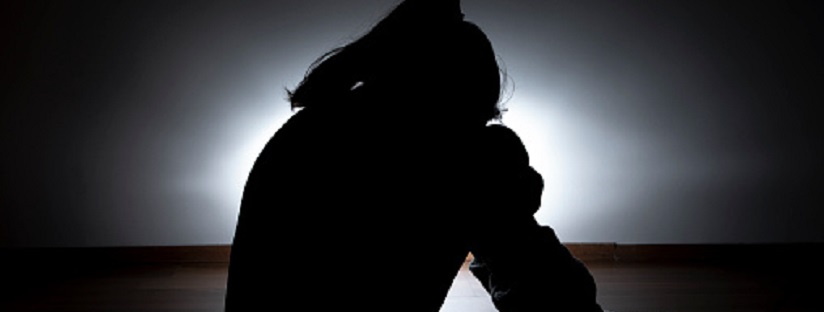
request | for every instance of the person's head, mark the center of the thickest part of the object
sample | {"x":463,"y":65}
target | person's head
{"x":421,"y":60}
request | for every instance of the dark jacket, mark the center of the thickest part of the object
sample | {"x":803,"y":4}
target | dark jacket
{"x":338,"y":204}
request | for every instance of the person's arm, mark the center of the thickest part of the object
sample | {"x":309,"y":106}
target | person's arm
{"x":521,"y":264}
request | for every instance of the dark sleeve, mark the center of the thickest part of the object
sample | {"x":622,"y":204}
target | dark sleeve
{"x":519,"y":262}
{"x":517,"y":186}
{"x":505,"y":145}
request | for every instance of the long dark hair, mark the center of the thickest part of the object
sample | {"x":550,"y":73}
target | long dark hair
{"x":421,"y":52}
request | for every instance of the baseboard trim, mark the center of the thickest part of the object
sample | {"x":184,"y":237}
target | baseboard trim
{"x":120,"y":255}
{"x":693,"y":253}
{"x":587,"y":252}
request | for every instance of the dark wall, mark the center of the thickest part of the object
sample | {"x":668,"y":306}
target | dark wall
{"x":135,"y":122}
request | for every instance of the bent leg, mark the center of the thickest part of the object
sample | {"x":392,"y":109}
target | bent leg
{"x":526,"y":268}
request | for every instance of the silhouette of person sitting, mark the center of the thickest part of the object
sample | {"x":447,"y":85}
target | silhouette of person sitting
{"x":376,"y":177}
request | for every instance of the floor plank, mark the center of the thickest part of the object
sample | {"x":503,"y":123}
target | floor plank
{"x":623,"y":287}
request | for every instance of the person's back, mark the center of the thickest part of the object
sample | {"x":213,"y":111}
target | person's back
{"x":333,"y":212}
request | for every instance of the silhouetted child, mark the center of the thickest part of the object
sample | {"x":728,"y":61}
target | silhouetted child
{"x":522,"y":264}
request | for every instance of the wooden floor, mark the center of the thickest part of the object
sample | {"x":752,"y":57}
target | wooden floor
{"x":623,"y":287}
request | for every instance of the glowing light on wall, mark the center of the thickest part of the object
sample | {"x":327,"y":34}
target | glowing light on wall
{"x":584,"y":164}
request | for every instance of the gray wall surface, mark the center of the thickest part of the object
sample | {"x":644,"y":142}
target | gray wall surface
{"x":130,"y":123}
